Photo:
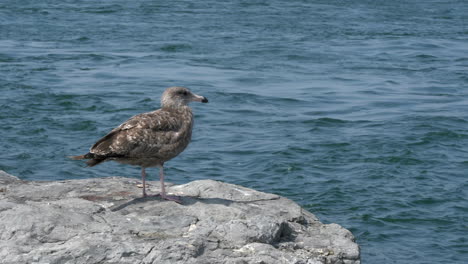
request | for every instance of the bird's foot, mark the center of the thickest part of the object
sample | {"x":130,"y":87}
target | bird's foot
{"x":171,"y":198}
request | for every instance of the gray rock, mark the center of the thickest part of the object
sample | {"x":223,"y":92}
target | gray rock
{"x":106,"y":221}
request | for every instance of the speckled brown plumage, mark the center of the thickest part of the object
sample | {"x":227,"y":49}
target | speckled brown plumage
{"x":149,"y":139}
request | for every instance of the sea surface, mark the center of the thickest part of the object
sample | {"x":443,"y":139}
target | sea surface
{"x":357,"y":110}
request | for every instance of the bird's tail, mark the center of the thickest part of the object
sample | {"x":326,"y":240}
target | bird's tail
{"x":93,"y":159}
{"x":80,"y":157}
{"x":77,"y":157}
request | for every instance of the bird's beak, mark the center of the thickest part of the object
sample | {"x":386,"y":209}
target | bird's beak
{"x":199,"y":98}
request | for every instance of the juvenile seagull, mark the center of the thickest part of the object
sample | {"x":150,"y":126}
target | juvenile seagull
{"x":150,"y":139}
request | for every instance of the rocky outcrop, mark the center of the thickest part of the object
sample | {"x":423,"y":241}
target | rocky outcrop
{"x":106,"y":221}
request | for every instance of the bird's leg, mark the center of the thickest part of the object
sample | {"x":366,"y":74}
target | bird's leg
{"x":161,"y":179}
{"x":143,"y":178}
{"x":163,"y":189}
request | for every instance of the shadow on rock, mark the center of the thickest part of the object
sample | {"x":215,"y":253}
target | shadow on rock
{"x":186,"y":201}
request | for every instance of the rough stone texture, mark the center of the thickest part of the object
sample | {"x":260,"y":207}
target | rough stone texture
{"x":106,"y":221}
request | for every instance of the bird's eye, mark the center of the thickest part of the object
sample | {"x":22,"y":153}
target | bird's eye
{"x":184,"y":93}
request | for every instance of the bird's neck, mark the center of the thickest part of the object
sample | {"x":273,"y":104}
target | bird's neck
{"x":177,"y":109}
{"x":185,"y":116}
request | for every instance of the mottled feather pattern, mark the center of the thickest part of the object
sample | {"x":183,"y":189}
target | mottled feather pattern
{"x":152,"y":137}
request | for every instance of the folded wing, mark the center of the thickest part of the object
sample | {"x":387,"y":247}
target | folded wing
{"x":142,"y":135}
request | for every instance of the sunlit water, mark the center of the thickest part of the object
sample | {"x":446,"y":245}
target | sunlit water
{"x":357,"y":110}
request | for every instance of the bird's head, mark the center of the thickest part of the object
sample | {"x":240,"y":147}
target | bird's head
{"x":180,"y":96}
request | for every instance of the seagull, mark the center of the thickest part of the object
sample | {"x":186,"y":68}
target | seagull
{"x":150,"y":139}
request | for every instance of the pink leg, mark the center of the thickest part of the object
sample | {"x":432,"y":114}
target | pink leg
{"x":143,"y":177}
{"x":163,"y":188}
{"x":161,"y":179}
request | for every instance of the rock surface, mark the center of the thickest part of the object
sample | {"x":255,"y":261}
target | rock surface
{"x":106,"y":221}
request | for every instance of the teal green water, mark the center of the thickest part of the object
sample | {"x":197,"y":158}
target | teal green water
{"x":357,"y":110}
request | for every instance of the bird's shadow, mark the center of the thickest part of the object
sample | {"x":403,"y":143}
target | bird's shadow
{"x":185,"y":201}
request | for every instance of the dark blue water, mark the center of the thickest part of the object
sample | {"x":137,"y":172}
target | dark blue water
{"x":357,"y":110}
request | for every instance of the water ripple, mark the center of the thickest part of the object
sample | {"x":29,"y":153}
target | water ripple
{"x":357,"y":113}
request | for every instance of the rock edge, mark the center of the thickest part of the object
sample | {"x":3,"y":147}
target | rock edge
{"x":106,"y":221}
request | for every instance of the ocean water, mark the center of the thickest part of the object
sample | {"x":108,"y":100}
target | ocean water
{"x":357,"y":110}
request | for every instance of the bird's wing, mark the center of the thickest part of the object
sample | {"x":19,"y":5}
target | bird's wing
{"x":147,"y":131}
